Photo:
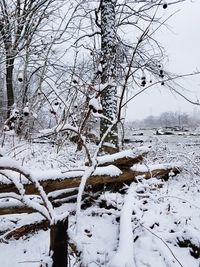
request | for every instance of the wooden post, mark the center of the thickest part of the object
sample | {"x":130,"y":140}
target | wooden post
{"x":59,"y":243}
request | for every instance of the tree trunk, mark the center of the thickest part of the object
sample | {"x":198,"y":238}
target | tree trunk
{"x":2,"y":112}
{"x":9,"y":84}
{"x":59,"y":243}
{"x":108,"y":61}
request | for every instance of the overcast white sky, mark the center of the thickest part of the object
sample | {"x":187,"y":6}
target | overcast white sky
{"x":182,"y":44}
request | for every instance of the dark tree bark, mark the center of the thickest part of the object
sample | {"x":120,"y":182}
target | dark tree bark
{"x":5,"y":31}
{"x":59,"y":243}
{"x":2,"y":103}
{"x":9,"y":84}
{"x":108,"y":62}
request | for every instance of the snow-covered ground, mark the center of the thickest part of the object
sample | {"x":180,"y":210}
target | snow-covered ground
{"x":155,"y":224}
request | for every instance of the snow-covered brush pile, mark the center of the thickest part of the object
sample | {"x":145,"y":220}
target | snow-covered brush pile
{"x":154,"y":224}
{"x":153,"y":221}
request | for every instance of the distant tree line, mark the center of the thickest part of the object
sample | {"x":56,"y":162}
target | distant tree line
{"x":169,"y":119}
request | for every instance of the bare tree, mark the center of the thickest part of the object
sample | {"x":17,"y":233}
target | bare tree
{"x":20,"y":22}
{"x":108,"y":65}
{"x":126,"y":64}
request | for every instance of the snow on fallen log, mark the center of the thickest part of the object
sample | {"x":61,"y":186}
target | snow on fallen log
{"x":156,"y":170}
{"x":56,"y":180}
{"x":124,"y":159}
{"x":125,"y":251}
{"x":24,"y":230}
{"x":53,"y":180}
{"x":7,"y":163}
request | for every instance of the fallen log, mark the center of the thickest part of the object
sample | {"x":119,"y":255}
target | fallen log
{"x":125,"y":177}
{"x":52,"y":180}
{"x":159,"y":170}
{"x":56,"y":180}
{"x":50,"y":185}
{"x":25,"y":230}
{"x":124,"y":159}
{"x":15,"y":210}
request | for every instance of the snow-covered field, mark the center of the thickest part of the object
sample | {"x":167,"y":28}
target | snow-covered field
{"x":155,"y":224}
